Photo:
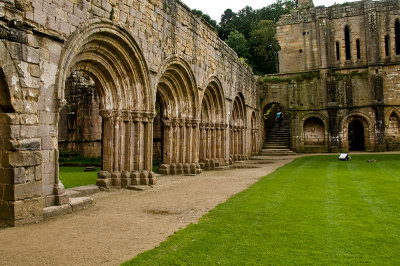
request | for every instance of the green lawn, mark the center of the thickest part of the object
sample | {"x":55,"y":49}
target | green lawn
{"x":316,"y":210}
{"x":75,"y":176}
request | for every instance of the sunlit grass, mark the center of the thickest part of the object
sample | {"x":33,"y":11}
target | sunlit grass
{"x":75,"y":176}
{"x":316,"y":210}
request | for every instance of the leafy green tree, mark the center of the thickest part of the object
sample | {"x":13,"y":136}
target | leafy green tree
{"x":260,"y":36}
{"x":206,"y":17}
{"x":264,"y":47}
{"x":227,"y":23}
{"x":238,"y":43}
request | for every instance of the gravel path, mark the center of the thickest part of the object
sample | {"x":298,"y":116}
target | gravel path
{"x":124,"y":223}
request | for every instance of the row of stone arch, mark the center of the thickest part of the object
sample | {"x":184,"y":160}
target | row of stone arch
{"x":127,"y":94}
{"x":355,"y":134}
{"x":191,"y":135}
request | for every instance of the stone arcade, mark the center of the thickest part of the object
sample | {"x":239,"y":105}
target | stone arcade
{"x":129,"y":59}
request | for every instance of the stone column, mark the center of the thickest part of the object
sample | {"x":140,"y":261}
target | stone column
{"x":189,"y":157}
{"x":219,"y":144}
{"x":108,"y":151}
{"x":116,"y":173}
{"x":167,"y":142}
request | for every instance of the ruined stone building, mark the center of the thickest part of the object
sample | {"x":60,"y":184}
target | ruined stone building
{"x":339,"y":80}
{"x":137,"y":81}
{"x":99,"y":77}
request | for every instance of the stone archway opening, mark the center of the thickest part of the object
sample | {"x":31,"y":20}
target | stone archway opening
{"x":177,"y":93}
{"x":238,"y":130}
{"x":269,"y":113}
{"x":212,"y":128}
{"x":356,"y":139}
{"x":80,"y":123}
{"x":114,"y":69}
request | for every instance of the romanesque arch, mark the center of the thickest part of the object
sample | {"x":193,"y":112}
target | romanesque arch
{"x":238,"y":129}
{"x":112,"y":59}
{"x":356,"y":133}
{"x":178,"y":99}
{"x":254,"y":134}
{"x":213,"y":126}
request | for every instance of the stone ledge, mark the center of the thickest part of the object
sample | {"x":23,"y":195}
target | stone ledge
{"x":82,"y":191}
{"x":75,"y":204}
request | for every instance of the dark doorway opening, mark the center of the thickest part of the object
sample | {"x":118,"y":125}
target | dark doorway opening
{"x":158,"y":135}
{"x":356,"y":136}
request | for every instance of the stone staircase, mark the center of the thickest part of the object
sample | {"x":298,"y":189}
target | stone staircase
{"x":278,"y":141}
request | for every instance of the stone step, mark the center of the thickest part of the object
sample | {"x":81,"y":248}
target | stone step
{"x":82,"y":191}
{"x":75,"y":204}
{"x":276,"y":152}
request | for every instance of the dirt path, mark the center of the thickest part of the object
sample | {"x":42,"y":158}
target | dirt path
{"x":123,"y":223}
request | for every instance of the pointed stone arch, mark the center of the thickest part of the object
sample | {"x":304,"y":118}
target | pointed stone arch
{"x":238,"y":129}
{"x":392,"y":123}
{"x":110,"y":56}
{"x":213,"y":126}
{"x":177,"y":91}
{"x":364,"y":127}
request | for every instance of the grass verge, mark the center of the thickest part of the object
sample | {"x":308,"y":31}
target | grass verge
{"x":314,"y":210}
{"x":75,"y":176}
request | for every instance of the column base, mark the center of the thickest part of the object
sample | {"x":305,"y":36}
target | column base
{"x":125,"y":179}
{"x":178,"y":169}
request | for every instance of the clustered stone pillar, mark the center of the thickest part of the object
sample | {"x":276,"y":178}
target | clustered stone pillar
{"x":212,"y":145}
{"x":180,"y":147}
{"x":237,"y":137}
{"x":127,"y":149}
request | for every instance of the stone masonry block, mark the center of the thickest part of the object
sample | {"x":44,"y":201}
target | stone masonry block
{"x":22,"y":158}
{"x":28,"y":190}
{"x":23,"y":145}
{"x":27,"y":211}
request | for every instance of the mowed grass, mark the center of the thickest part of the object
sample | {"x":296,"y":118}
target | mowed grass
{"x":315,"y":210}
{"x":75,"y":176}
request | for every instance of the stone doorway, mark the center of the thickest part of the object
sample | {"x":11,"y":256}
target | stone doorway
{"x":356,"y":140}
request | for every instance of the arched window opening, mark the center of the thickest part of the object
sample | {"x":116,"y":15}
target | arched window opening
{"x":337,"y":51}
{"x":397,"y":36}
{"x":347,"y":42}
{"x":387,"y":47}
{"x":358,"y":49}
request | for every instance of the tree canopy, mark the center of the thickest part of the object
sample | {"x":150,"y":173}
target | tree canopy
{"x":258,"y":27}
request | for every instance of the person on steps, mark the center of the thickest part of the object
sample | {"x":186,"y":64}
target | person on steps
{"x":279,"y":117}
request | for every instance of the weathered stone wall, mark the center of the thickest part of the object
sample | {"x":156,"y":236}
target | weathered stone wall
{"x":126,"y":46}
{"x":315,"y":83}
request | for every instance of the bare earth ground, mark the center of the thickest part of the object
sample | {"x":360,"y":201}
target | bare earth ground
{"x":124,"y":223}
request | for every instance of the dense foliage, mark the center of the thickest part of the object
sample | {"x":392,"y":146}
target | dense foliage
{"x":251,"y":33}
{"x":258,"y":29}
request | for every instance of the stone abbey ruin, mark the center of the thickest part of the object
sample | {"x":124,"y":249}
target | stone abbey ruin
{"x":133,"y":81}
